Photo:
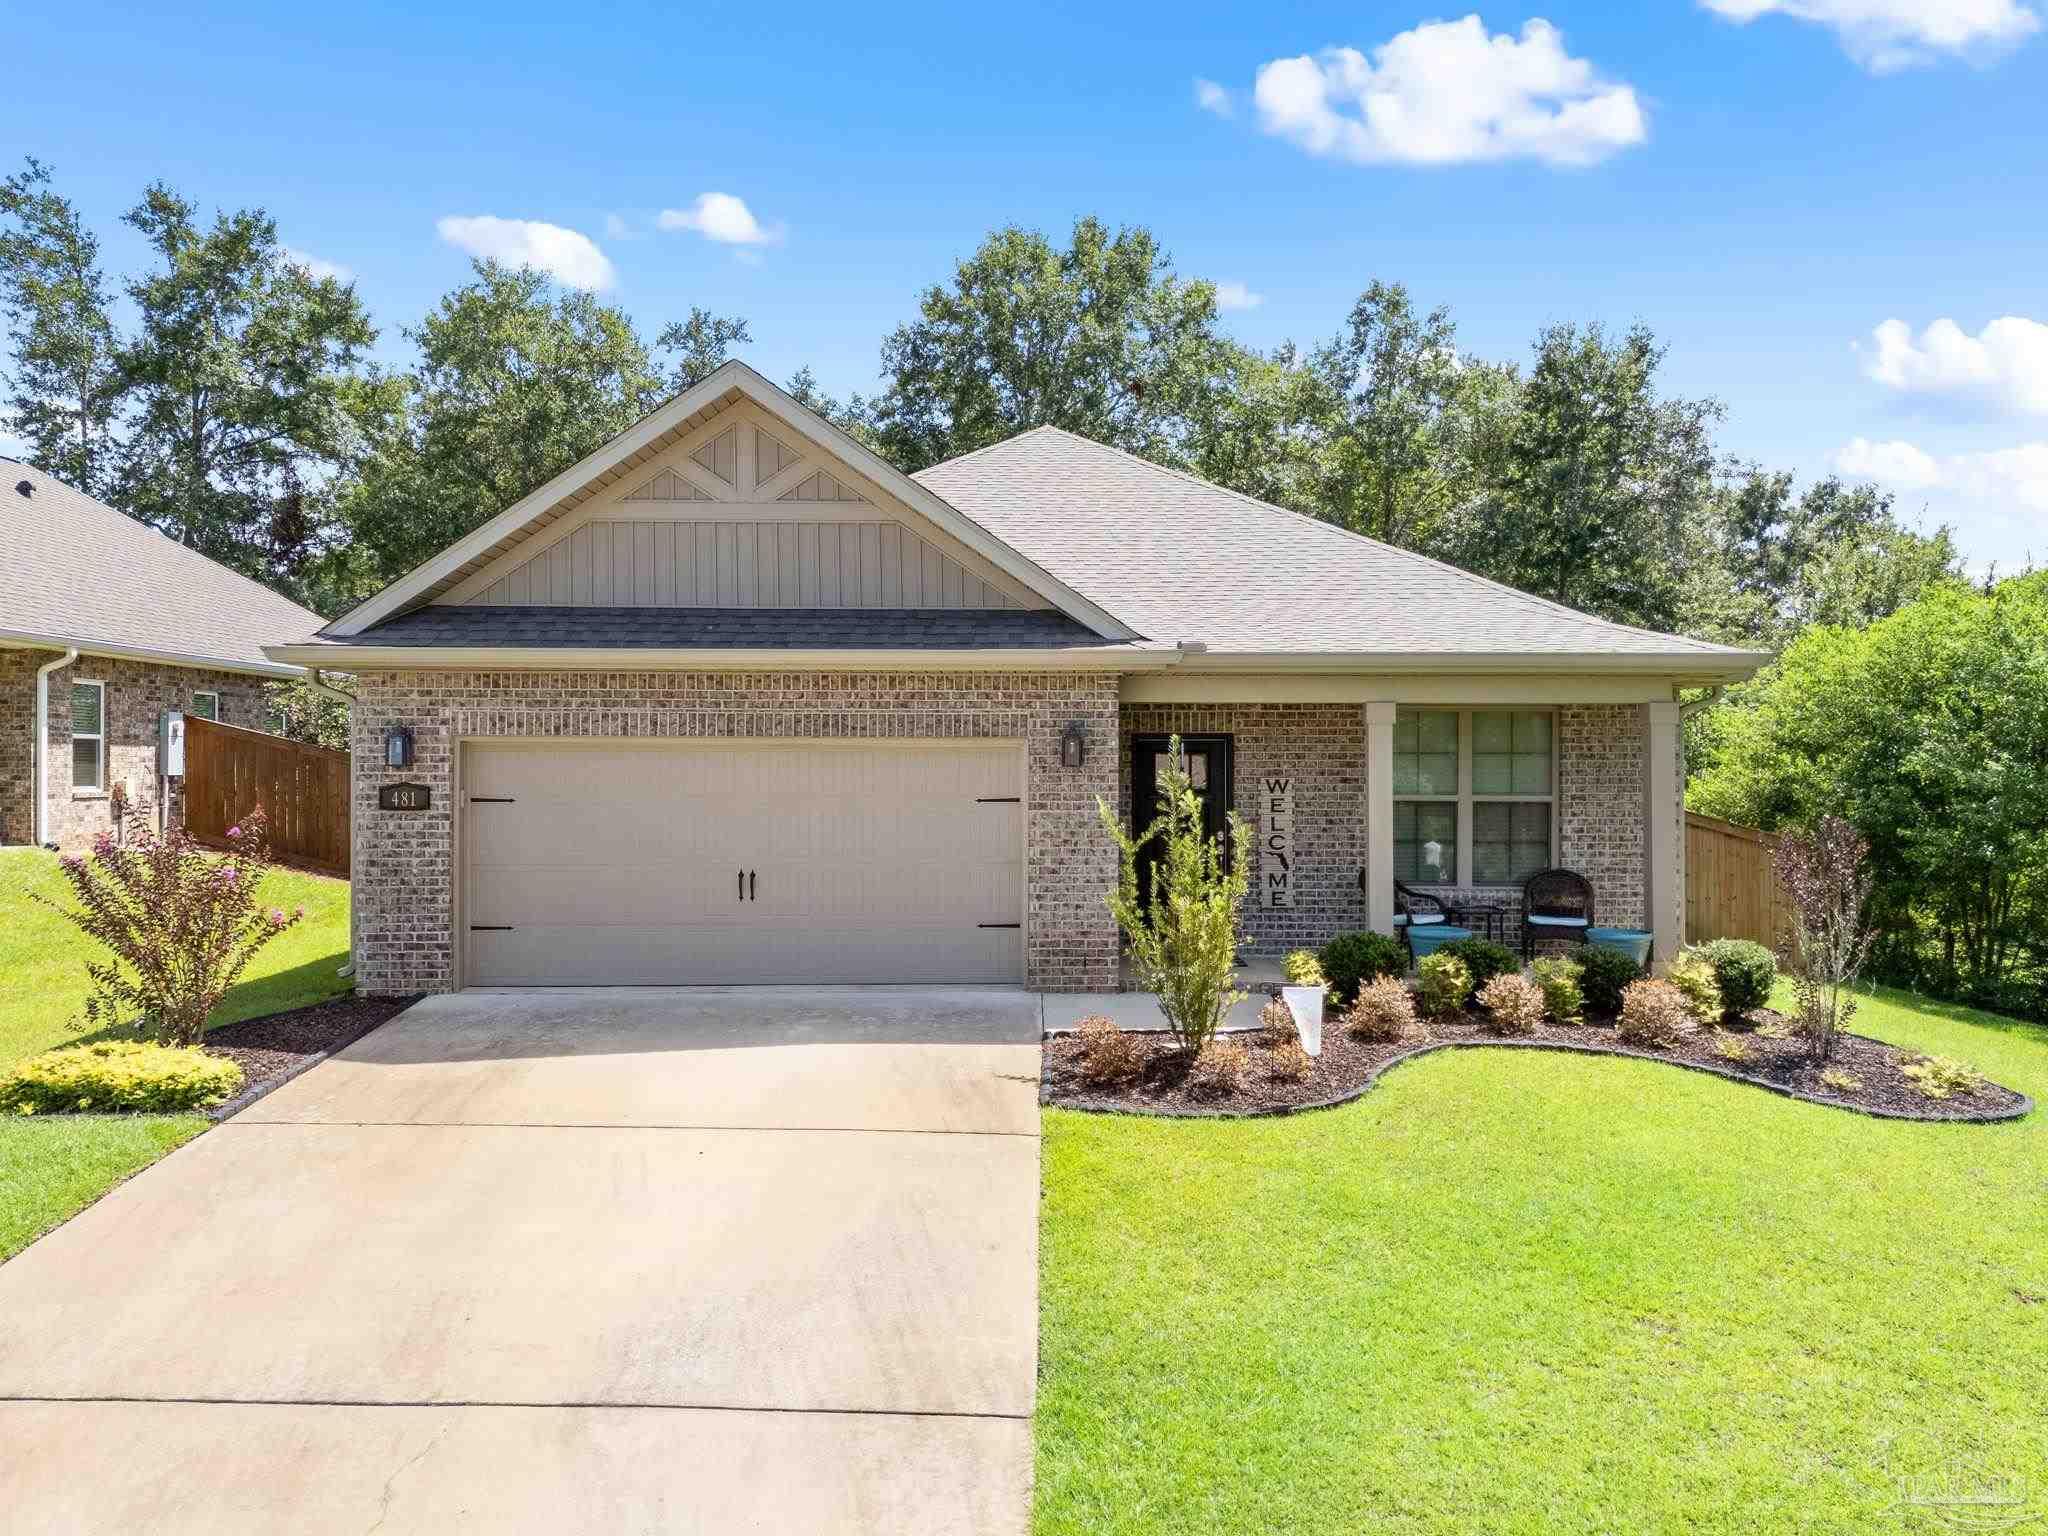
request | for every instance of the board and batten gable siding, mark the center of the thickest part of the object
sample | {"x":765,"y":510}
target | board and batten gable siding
{"x":737,"y":517}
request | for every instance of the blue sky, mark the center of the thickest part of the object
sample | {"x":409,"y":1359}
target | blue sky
{"x":1763,"y":181}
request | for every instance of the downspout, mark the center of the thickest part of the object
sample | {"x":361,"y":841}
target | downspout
{"x":42,"y":828}
{"x":320,"y":685}
{"x":1713,"y":697}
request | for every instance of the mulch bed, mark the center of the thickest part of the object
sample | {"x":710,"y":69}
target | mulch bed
{"x":273,"y":1049}
{"x":1348,"y":1067}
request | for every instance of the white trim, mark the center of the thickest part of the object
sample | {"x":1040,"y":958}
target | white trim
{"x":99,"y":738}
{"x":421,"y":658}
{"x":1688,"y":668}
{"x":1527,"y":690}
{"x":417,"y":583}
{"x":19,"y":640}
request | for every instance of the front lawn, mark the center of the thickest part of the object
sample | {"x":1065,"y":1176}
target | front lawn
{"x":1524,"y":1291}
{"x":51,"y":1168}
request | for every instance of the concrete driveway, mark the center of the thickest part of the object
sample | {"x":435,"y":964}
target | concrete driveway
{"x":703,"y":1260}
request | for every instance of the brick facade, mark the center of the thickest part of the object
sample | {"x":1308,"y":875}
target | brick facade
{"x":136,"y":695}
{"x":405,"y":862}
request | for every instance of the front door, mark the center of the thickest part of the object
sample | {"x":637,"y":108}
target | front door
{"x":1206,"y":760}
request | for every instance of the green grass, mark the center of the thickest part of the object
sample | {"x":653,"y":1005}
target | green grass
{"x":52,"y":1168}
{"x":1535,"y":1292}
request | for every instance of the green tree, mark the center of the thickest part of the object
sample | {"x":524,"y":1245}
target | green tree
{"x":63,"y":375}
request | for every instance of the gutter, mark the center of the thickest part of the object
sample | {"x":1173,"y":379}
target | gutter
{"x":409,"y":658}
{"x":18,"y":640}
{"x":42,"y":828}
{"x":1705,"y":665}
{"x":1714,"y":696}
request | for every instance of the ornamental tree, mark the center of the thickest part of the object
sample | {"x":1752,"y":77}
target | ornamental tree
{"x":1825,"y":874}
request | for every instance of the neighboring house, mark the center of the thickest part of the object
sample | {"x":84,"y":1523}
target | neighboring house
{"x":104,"y":625}
{"x":732,"y":700}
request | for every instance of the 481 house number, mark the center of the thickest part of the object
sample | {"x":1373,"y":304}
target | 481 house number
{"x":404,"y":797}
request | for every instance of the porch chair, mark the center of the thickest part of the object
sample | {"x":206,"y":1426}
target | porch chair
{"x":1556,"y":904}
{"x":1416,"y":909}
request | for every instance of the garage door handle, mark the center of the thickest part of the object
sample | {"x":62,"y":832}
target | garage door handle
{"x":752,"y":889}
{"x":999,"y":925}
{"x":743,"y":885}
{"x":490,"y":927}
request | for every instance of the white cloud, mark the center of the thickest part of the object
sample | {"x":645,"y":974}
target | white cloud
{"x":2006,"y":363}
{"x":1447,"y":92}
{"x":1211,"y":97}
{"x":2009,"y":474}
{"x":722,"y":217}
{"x":1888,"y":35}
{"x":1237,"y":296}
{"x":316,"y":266}
{"x":564,"y":254}
{"x":1897,"y":464}
{"x":616,"y":228}
{"x":1995,"y":500}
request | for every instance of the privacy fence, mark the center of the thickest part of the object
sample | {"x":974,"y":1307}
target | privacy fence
{"x":1731,"y":885}
{"x":304,"y":792}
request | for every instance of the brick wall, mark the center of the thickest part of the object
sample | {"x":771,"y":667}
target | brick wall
{"x":1322,"y":748}
{"x":1600,"y":806}
{"x":136,"y":694}
{"x":404,"y":862}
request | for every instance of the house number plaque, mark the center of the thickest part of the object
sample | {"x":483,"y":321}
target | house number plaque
{"x":404,"y":797}
{"x":1276,"y":841}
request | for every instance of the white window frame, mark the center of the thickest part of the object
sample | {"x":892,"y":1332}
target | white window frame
{"x":1466,"y":799}
{"x":207,"y":693}
{"x":100,"y":738}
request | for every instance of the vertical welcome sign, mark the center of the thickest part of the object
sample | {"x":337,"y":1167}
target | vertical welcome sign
{"x":1276,"y":841}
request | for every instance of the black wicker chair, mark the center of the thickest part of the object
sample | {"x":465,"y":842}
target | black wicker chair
{"x":1556,"y":904}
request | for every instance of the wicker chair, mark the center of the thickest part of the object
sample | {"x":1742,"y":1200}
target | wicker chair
{"x":1556,"y":904}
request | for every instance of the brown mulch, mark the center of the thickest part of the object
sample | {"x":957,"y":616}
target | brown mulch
{"x":1348,"y":1067}
{"x":275,"y":1046}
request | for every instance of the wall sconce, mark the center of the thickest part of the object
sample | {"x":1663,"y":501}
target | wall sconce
{"x":397,"y":747}
{"x":1073,"y":746}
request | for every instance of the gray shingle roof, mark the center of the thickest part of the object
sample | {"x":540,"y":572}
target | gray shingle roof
{"x":75,"y":571}
{"x":1180,"y":560}
{"x":734,"y":628}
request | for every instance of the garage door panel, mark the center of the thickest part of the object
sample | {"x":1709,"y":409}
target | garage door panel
{"x":583,"y":955}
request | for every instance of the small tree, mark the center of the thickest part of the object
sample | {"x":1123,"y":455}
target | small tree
{"x":1827,"y":876}
{"x":179,"y":926}
{"x":1184,"y":939}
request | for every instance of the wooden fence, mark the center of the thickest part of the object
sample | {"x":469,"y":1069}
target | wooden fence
{"x":304,"y":792}
{"x":1732,"y":889}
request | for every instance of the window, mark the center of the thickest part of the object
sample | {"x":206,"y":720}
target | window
{"x":1473,"y":795}
{"x":206,"y":705}
{"x":89,"y":736}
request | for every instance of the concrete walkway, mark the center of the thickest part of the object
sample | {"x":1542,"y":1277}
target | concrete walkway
{"x":691,"y":1260}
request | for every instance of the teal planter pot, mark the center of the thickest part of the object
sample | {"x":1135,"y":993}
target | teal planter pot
{"x":1632,"y":942}
{"x":1427,"y":940}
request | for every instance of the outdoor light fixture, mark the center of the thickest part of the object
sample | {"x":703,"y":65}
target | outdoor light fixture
{"x":1073,"y":746}
{"x":398,"y":747}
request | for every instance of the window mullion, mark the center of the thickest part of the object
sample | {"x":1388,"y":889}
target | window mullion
{"x":1465,"y":828}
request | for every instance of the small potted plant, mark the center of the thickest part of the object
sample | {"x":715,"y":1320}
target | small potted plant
{"x":1304,"y":993}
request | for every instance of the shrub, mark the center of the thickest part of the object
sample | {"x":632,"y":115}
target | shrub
{"x":1693,"y":975}
{"x":1108,"y":1055}
{"x":1559,"y":977}
{"x":119,"y":1075}
{"x":1730,"y":1047}
{"x":1513,"y":1004}
{"x":1603,"y":975}
{"x":1826,"y":872}
{"x":1183,"y":939}
{"x":1383,"y":1011}
{"x":179,"y":926}
{"x":1303,"y":969}
{"x":1446,"y":984}
{"x":1289,"y":1062}
{"x":1483,"y":958}
{"x":1276,"y":1025}
{"x":1218,"y":1070}
{"x":1841,"y":1081}
{"x":1653,"y":1015}
{"x":1352,"y":959}
{"x":1744,"y":971}
{"x":1941,"y":1077}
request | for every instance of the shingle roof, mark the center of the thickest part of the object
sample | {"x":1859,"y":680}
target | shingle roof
{"x":734,"y":628}
{"x":75,"y":571}
{"x":1181,"y":560}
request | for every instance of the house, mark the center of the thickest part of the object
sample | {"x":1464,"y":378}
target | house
{"x":732,"y":700}
{"x":104,"y":625}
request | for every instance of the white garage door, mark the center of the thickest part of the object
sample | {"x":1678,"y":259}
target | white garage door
{"x":590,"y":864}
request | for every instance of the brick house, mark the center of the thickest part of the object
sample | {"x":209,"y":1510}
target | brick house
{"x":732,"y":700}
{"x":104,"y":625}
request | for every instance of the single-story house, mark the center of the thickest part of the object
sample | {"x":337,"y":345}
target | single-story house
{"x":732,"y":700}
{"x":104,"y":625}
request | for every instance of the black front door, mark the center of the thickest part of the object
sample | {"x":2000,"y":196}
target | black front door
{"x":1206,"y":760}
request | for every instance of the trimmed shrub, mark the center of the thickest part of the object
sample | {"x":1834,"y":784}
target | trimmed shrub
{"x":1276,"y":1025}
{"x":1303,"y":969}
{"x":1653,"y":1015}
{"x":119,"y":1075}
{"x":1941,"y":1077}
{"x":1289,"y":1062}
{"x":1352,"y":959}
{"x":1603,"y":974}
{"x":1384,"y":1011}
{"x":1513,"y":1004}
{"x":1559,"y":977}
{"x":1219,"y":1070}
{"x":1484,"y":959}
{"x":1446,"y":984}
{"x":1108,"y":1055}
{"x":1730,"y":1047}
{"x":1744,"y":972}
{"x":1693,"y":974}
{"x":1841,"y":1082}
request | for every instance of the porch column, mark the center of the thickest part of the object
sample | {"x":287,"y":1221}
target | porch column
{"x":1379,"y":816}
{"x":1663,"y":838}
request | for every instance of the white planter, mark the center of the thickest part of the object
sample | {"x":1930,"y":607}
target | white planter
{"x":1306,"y":1004}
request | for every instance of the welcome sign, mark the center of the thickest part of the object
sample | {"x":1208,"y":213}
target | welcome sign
{"x":1276,"y":841}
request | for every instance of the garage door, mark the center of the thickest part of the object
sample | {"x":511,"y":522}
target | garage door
{"x":700,"y":863}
